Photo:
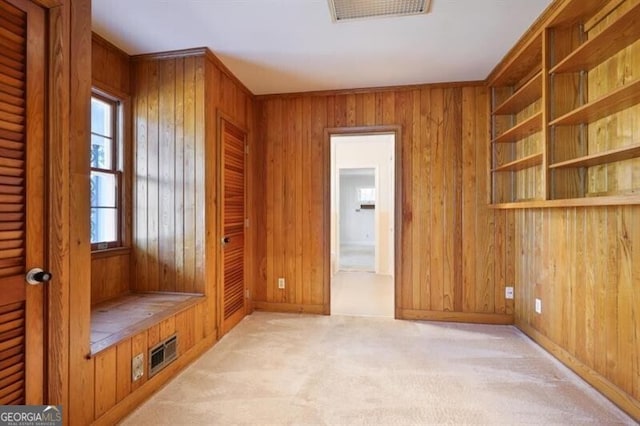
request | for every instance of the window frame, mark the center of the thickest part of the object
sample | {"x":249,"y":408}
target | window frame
{"x":116,"y":168}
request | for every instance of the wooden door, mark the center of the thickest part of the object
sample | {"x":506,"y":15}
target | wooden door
{"x":232,"y":184}
{"x":22,"y":97}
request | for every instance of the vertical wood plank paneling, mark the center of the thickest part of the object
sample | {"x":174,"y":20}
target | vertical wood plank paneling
{"x":444,"y":184}
{"x":191,"y":86}
{"x":140,"y":186}
{"x":166,"y":175}
{"x":437,"y":200}
{"x":153,"y":177}
{"x":469,"y":198}
{"x":582,"y":263}
{"x":105,"y":381}
{"x":422,"y":235}
{"x":81,"y":370}
{"x":123,"y":369}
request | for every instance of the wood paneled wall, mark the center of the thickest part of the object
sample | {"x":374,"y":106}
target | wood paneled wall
{"x":584,"y":264}
{"x":110,"y":67}
{"x":454,"y":248}
{"x":110,"y":70}
{"x":177,"y":99}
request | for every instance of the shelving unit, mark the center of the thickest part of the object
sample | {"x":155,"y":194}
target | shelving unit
{"x":564,"y":124}
{"x":517,"y":124}
{"x":610,"y":156}
{"x":616,"y":101}
{"x":521,"y":163}
{"x":521,"y":130}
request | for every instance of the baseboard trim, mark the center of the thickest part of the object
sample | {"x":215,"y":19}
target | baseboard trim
{"x":289,"y":308}
{"x":619,"y":397}
{"x":468,"y":317}
{"x":134,"y":399}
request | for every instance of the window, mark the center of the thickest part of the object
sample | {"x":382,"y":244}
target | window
{"x":106,"y":175}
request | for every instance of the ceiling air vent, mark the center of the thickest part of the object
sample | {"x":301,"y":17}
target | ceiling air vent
{"x":343,"y":10}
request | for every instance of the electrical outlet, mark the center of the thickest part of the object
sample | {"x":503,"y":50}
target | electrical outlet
{"x":538,"y":306}
{"x":508,"y":292}
{"x":281,"y":283}
{"x":137,"y":367}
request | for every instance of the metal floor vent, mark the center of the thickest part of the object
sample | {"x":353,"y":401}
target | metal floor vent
{"x":162,"y":354}
{"x":342,"y":10}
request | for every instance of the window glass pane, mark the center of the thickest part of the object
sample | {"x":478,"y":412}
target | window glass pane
{"x":103,"y":189}
{"x":104,"y":225}
{"x":101,"y":117}
{"x":101,"y":152}
{"x":367,"y":195}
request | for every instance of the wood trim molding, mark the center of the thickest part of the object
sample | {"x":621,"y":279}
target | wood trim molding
{"x":108,"y":45}
{"x":289,"y":308}
{"x":602,"y":384}
{"x":398,"y":200}
{"x":356,"y":91}
{"x":465,"y":317}
{"x":134,"y":399}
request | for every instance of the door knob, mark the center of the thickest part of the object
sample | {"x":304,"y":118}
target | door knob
{"x":225,"y":241}
{"x":37,"y":276}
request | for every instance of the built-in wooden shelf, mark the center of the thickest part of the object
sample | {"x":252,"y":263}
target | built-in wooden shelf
{"x":521,"y":130}
{"x":615,"y":101}
{"x":618,"y":154}
{"x":615,"y":37}
{"x":526,"y":95}
{"x":521,"y":163}
{"x":605,"y":200}
{"x":128,"y":315}
{"x":529,"y":58}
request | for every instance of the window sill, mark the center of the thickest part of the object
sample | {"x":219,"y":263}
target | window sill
{"x":111,"y":252}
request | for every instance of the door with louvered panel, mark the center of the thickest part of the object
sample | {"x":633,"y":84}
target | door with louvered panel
{"x":22,"y":97}
{"x":233,"y":223}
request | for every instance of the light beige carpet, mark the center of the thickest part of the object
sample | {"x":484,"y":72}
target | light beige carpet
{"x":362,"y":294}
{"x":296,"y":369}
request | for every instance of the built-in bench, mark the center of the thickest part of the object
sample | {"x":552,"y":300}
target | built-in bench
{"x":115,"y":320}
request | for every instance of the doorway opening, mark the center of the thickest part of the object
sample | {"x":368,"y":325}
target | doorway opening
{"x":363,"y":204}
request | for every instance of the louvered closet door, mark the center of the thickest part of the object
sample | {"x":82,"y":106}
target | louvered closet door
{"x":22,"y":93}
{"x":233,"y":201}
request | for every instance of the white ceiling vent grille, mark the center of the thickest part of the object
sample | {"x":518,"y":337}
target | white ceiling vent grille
{"x":343,"y":10}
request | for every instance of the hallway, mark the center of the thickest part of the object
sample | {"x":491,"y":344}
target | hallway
{"x":362,"y":294}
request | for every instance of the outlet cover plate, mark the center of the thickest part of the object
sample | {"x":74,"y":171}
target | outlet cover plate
{"x":137,"y":367}
{"x":281,"y":283}
{"x":508,"y":292}
{"x":538,"y":306}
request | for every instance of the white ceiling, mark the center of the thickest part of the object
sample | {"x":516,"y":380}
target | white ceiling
{"x":281,"y":46}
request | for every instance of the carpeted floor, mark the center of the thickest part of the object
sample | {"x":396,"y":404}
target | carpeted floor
{"x":362,"y":294}
{"x":357,"y":257}
{"x":302,"y":369}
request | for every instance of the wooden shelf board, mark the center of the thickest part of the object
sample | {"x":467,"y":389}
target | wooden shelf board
{"x":521,"y":130}
{"x":521,"y":164}
{"x":612,"y":200}
{"x":618,"y":154}
{"x":621,"y":98}
{"x":526,"y":95}
{"x":618,"y":35}
{"x":575,"y":11}
{"x":520,"y":64}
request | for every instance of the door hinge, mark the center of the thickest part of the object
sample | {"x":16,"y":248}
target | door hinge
{"x":246,"y":149}
{"x":246,"y":223}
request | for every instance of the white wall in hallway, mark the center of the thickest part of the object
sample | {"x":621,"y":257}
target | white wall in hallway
{"x":357,"y":226}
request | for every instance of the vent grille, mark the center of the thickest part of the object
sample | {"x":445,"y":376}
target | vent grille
{"x":162,"y":354}
{"x":342,"y":10}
